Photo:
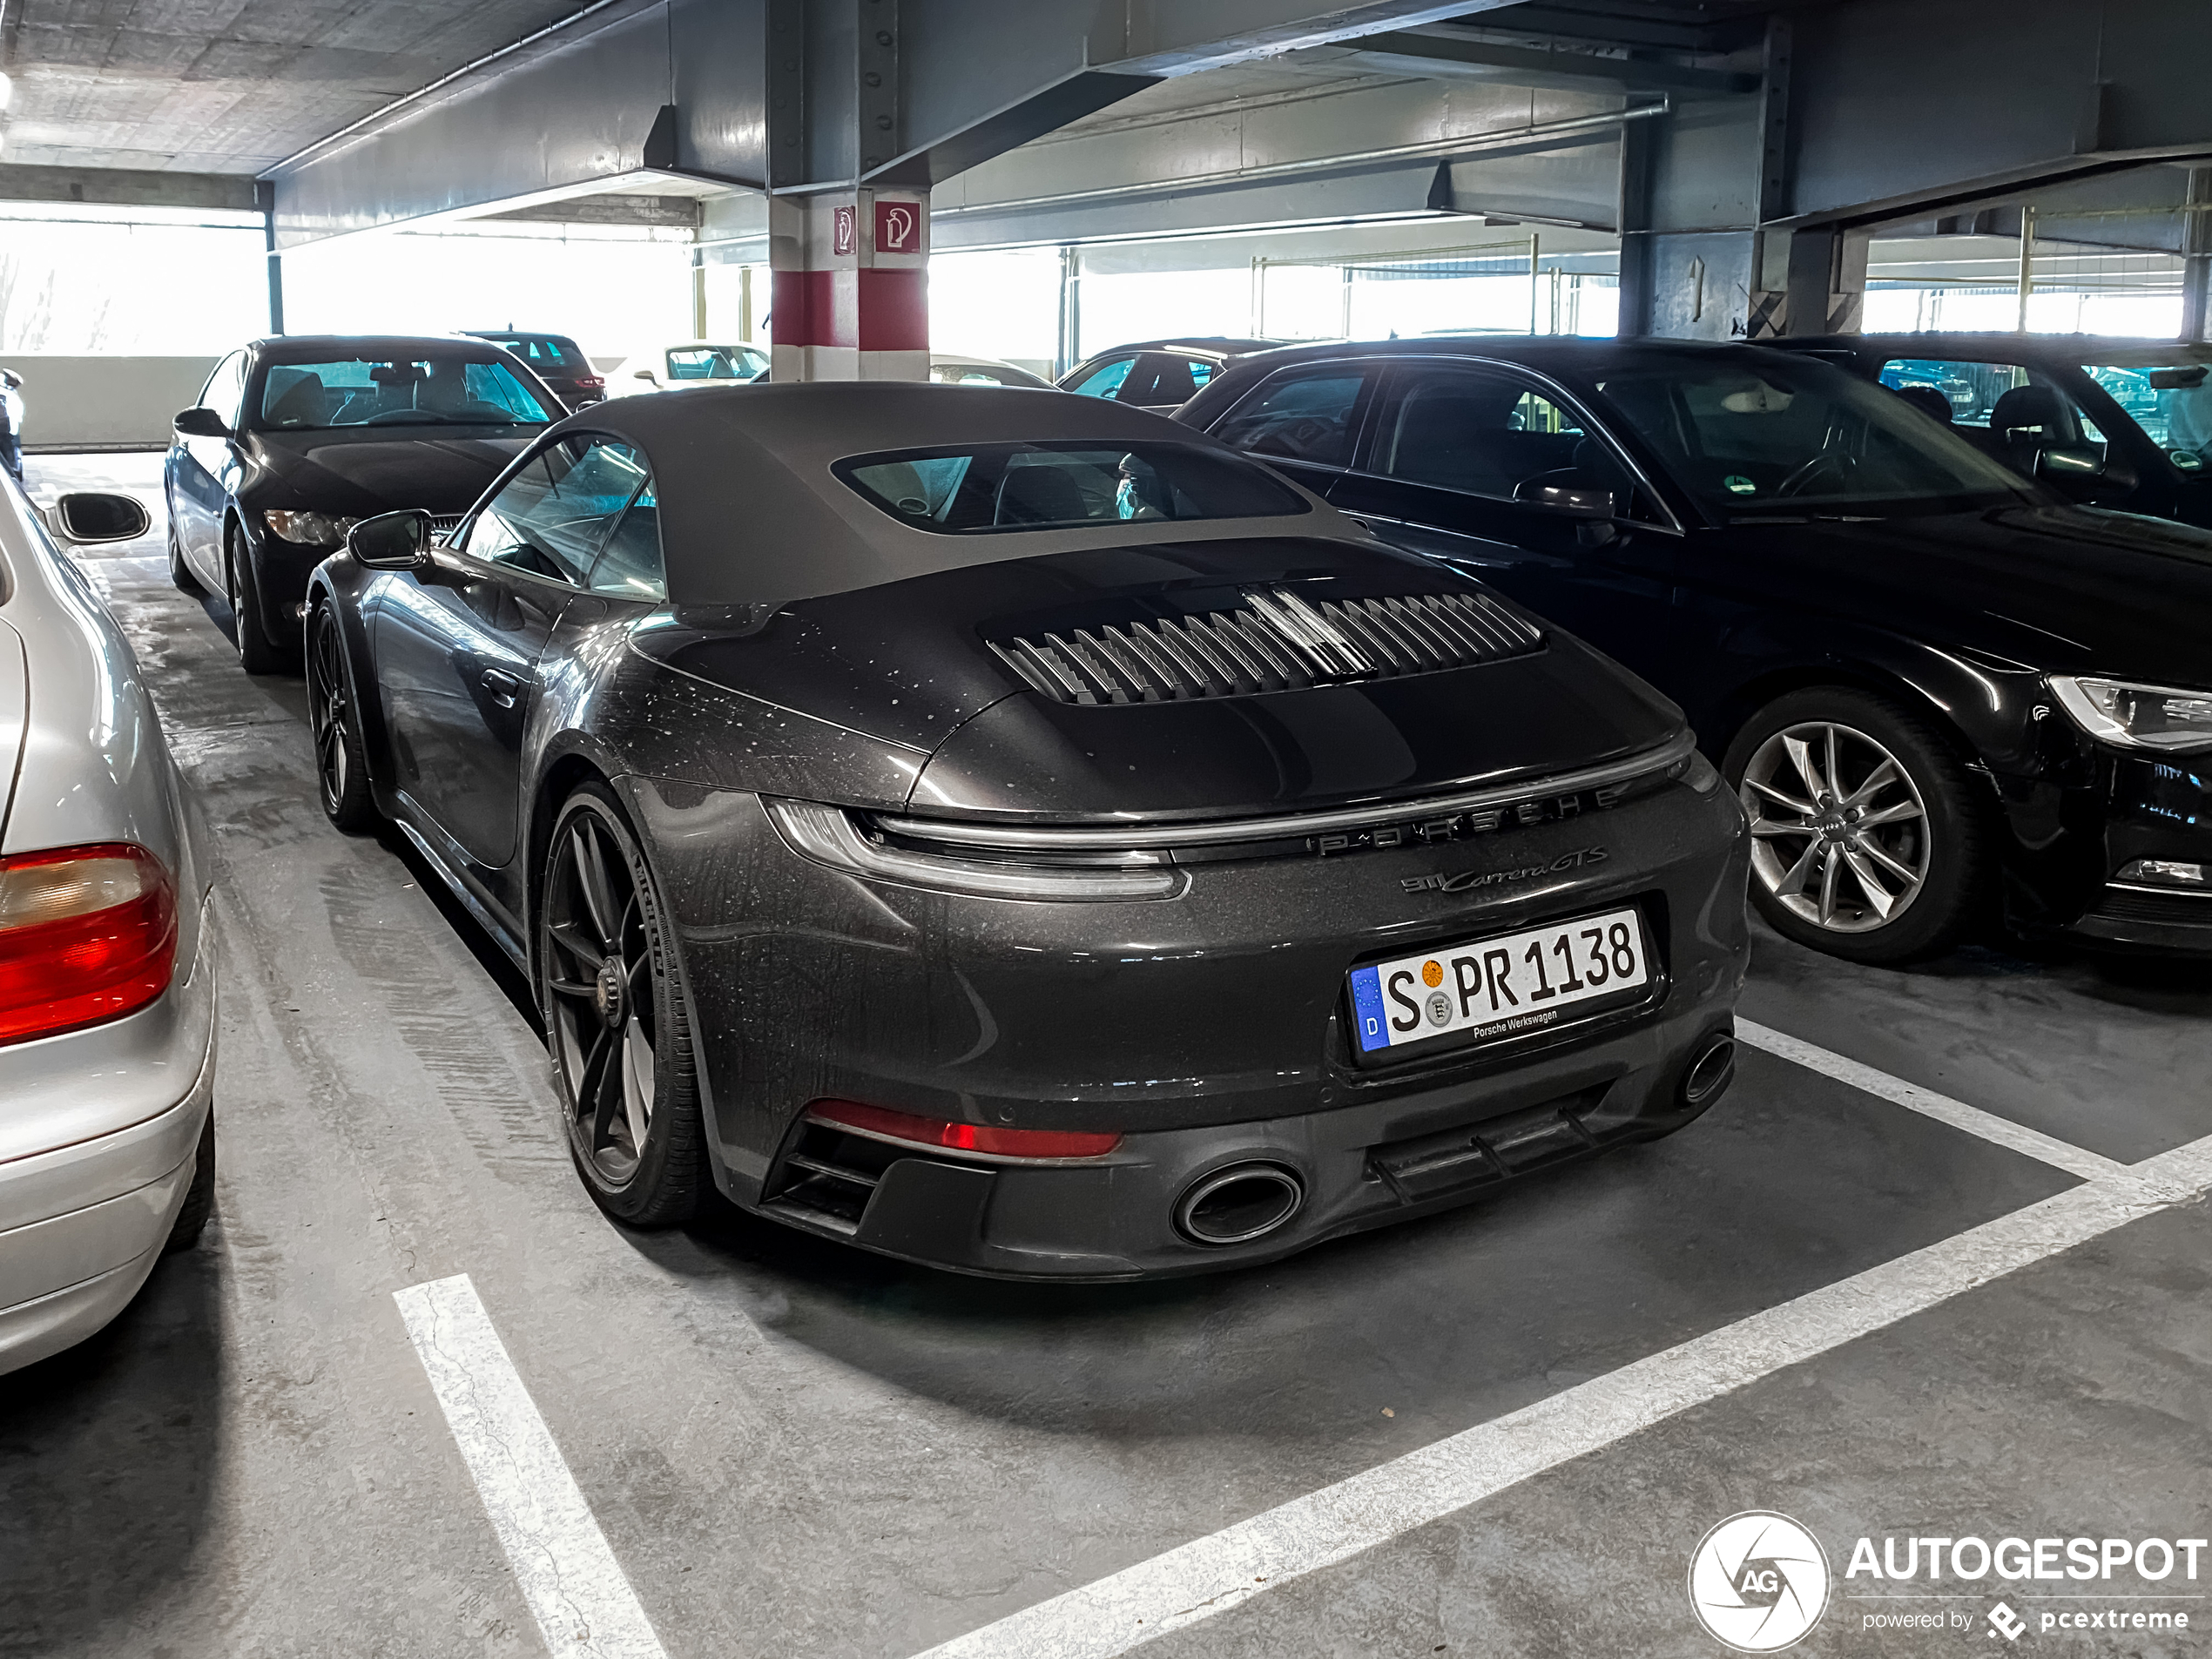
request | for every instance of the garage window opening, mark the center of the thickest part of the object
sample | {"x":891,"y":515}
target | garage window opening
{"x":1029,"y":486}
{"x":424,"y":392}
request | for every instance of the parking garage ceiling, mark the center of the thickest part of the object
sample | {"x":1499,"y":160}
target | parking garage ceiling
{"x":233,"y":86}
{"x":227,"y":86}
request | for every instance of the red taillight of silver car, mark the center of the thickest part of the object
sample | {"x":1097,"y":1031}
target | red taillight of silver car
{"x":87,"y":933}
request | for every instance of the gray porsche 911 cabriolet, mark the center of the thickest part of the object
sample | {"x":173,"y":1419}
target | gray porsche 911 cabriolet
{"x":1013,"y":833}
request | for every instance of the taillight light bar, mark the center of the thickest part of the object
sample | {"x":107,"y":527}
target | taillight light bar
{"x":882,"y":1123}
{"x":87,"y":933}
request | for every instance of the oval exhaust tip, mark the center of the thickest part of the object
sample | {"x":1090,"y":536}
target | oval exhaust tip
{"x":1237,"y":1205}
{"x":1710,"y":1073}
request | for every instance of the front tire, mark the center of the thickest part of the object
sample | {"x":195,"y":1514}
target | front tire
{"x":614,"y":1020}
{"x":1868,"y":839}
{"x":341,"y":767}
{"x":256,"y":653}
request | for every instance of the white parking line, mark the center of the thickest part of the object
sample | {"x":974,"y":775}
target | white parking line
{"x":575,"y":1588}
{"x":2031,"y":1142}
{"x":1180,"y":1588}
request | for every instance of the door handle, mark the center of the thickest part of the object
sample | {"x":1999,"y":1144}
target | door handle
{"x":503,"y":686}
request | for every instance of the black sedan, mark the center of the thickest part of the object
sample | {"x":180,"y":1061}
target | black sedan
{"x":1934,"y":684}
{"x":1016,"y":833}
{"x":294,"y":439}
{"x":2125,"y":424}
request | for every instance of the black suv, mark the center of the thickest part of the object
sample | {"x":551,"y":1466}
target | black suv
{"x":558,"y":360}
{"x":1933,"y":681}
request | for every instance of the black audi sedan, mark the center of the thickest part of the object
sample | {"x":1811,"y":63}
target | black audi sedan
{"x":1019,"y":834}
{"x":294,"y":439}
{"x":1935,"y":685}
{"x":2124,"y":424}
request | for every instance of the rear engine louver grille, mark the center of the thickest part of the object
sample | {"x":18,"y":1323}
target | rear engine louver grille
{"x":1283,"y":643}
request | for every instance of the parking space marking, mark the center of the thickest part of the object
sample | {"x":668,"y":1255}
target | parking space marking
{"x":1183,"y":1586}
{"x":575,"y":1588}
{"x":2034,"y":1143}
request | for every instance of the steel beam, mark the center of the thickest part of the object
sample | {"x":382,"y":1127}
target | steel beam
{"x":1403,"y":52}
{"x":128,"y":187}
{"x":774,"y":95}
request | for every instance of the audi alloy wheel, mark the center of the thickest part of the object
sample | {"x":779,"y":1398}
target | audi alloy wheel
{"x":1866,"y":836}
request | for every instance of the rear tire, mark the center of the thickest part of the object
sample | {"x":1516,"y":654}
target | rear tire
{"x":1871,"y":841}
{"x":341,"y":765}
{"x":615,"y":1020}
{"x":199,"y":1198}
{"x":257,"y":654}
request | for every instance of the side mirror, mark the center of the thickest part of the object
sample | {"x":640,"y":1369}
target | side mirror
{"x":89,"y":515}
{"x":1570,"y":500}
{"x":643,"y":374}
{"x":201,"y":423}
{"x":392,"y":540}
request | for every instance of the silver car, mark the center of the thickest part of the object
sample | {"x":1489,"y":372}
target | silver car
{"x":107,"y":994}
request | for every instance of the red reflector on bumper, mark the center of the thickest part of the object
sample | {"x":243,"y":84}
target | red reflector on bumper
{"x":962,"y":1137}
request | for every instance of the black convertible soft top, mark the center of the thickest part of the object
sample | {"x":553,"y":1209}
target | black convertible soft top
{"x":750,"y":512}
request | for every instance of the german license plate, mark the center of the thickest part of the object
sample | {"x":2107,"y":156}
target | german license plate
{"x":1495,"y":987}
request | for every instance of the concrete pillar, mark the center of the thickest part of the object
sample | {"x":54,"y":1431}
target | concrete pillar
{"x":2196,"y":258}
{"x":851,"y":296}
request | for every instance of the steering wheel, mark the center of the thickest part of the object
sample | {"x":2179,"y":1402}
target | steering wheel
{"x":1844,"y":465}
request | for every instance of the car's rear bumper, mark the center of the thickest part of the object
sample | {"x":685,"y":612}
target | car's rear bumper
{"x":1207,"y":1030}
{"x":119,"y":1109}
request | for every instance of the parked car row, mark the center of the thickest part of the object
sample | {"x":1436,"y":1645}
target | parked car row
{"x":1426,"y":706}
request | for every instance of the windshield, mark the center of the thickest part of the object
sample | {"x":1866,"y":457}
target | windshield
{"x":547,"y":354}
{"x":1044,"y":486}
{"x":1758,"y":436}
{"x":431,"y":390}
{"x":716,"y":362}
{"x":2168,"y":391}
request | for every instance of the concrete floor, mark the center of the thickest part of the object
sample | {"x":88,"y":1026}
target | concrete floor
{"x":797,"y":1449}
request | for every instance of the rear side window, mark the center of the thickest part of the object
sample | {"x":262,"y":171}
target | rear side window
{"x":1047,"y":486}
{"x":1478,"y":431}
{"x":1300,"y":415}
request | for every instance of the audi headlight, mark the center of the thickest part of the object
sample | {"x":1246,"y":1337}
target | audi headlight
{"x":310,"y":530}
{"x":830,"y":835}
{"x":2137,"y":717}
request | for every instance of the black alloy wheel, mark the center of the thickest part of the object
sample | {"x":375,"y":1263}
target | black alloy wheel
{"x":180,"y":572}
{"x":614,"y":1020}
{"x":341,"y":768}
{"x":1870,"y":840}
{"x":256,"y":654}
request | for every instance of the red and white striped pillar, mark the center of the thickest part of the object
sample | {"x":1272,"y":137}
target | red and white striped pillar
{"x":851,"y":294}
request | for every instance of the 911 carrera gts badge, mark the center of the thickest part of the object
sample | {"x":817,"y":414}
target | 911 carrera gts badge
{"x":1465,"y":881}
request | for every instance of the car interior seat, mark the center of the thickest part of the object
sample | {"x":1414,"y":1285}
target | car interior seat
{"x":305,"y":402}
{"x":1931,"y":402}
{"x":1040,"y":494}
{"x":2027,"y":419}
